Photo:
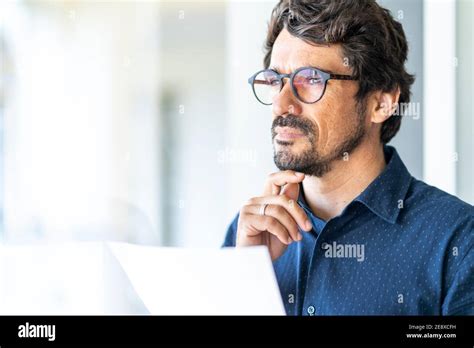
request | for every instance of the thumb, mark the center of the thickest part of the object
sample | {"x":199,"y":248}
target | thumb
{"x":292,"y":190}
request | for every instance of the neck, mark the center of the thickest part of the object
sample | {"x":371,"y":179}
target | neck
{"x":327,"y":196}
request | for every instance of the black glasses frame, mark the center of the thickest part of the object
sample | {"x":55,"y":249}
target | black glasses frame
{"x":326,"y":76}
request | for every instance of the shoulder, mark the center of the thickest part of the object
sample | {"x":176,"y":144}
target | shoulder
{"x":441,"y":218}
{"x":430,"y":202}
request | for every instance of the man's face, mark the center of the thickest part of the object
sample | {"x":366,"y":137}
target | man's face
{"x":309,"y":137}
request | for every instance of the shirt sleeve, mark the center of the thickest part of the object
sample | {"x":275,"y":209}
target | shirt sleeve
{"x":231,"y":234}
{"x":459,"y":299}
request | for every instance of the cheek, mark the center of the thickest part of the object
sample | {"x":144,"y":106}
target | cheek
{"x":334,"y":119}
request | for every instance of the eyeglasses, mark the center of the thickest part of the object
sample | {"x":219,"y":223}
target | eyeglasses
{"x":307,"y":83}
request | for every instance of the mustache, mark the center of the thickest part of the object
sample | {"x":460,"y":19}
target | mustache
{"x":303,"y":124}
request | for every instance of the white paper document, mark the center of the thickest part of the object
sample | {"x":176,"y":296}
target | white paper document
{"x":120,"y":278}
{"x":229,"y":281}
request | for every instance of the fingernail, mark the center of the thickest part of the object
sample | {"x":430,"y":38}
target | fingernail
{"x":290,"y":240}
{"x":308,"y":225}
{"x":299,"y":174}
{"x":300,"y":236}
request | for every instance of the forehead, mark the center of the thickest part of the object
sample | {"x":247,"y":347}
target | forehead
{"x":290,"y":53}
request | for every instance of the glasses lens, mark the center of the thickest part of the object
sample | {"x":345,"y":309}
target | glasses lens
{"x":309,"y":84}
{"x":266,"y":85}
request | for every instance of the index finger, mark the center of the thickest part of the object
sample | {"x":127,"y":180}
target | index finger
{"x":277,"y":180}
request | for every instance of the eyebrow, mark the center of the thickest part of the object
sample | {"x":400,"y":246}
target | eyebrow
{"x":312,"y":66}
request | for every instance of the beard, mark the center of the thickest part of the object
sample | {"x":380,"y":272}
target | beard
{"x":311,"y":161}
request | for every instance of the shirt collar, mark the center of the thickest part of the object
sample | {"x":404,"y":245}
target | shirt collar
{"x":385,"y":195}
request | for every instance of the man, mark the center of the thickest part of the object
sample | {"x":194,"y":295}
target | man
{"x":349,"y":230}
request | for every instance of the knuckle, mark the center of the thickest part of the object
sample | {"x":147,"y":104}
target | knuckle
{"x":272,"y":223}
{"x":250,"y":201}
{"x":272,"y":175}
{"x":279,"y":210}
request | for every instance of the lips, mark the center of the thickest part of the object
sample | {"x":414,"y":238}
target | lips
{"x":288,"y":133}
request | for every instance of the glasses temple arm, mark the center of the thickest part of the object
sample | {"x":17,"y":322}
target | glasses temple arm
{"x":341,"y":77}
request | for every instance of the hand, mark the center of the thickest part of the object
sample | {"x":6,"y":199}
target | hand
{"x":279,"y":226}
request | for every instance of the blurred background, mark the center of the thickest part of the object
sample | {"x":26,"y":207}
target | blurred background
{"x":133,"y":120}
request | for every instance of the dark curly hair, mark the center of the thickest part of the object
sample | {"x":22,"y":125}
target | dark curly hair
{"x":373,"y":43}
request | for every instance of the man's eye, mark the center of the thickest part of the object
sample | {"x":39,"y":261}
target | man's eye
{"x":274,"y":82}
{"x":314,"y":81}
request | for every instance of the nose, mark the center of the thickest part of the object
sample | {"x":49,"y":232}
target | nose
{"x":285,"y":102}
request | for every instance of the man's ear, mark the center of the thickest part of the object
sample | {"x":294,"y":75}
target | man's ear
{"x":383,"y":105}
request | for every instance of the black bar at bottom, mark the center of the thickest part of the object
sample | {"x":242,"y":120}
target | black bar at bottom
{"x":139,"y":330}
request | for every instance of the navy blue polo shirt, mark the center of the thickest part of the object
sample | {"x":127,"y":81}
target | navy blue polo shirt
{"x":401,"y":247}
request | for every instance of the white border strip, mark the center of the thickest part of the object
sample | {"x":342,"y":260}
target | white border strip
{"x":439,"y":83}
